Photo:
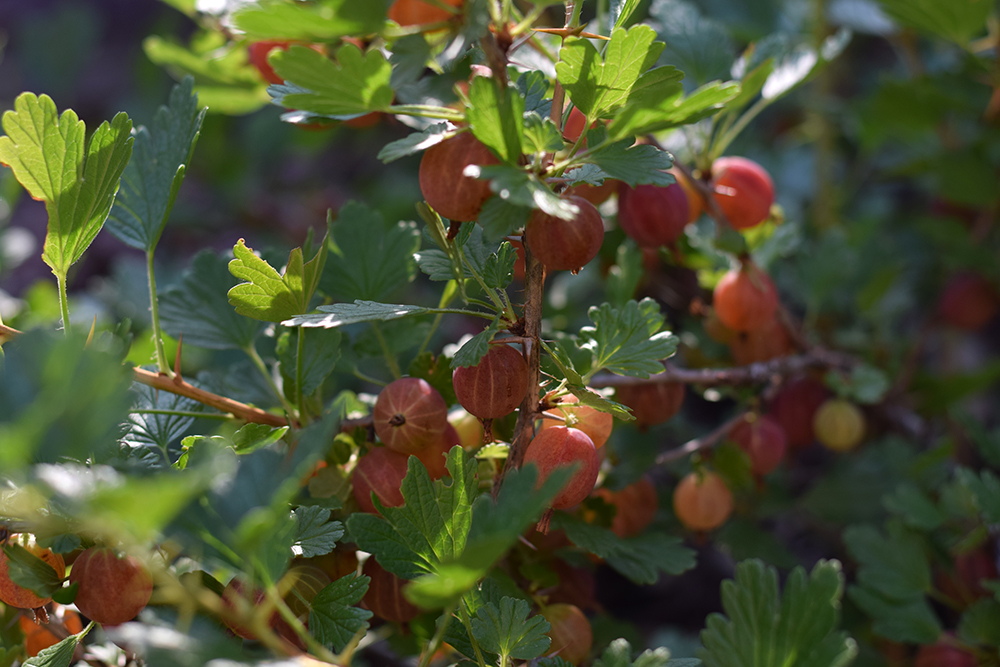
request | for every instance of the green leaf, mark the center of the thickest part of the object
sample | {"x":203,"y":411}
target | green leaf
{"x":523,"y":189}
{"x":590,"y":174}
{"x":640,"y":558}
{"x":431,"y":526}
{"x":153,"y":177}
{"x":909,"y":619}
{"x":29,"y":571}
{"x":321,"y":350}
{"x":334,"y":620}
{"x":77,"y":178}
{"x":355,"y":84}
{"x":341,"y":314}
{"x":496,"y":526}
{"x":509,"y":632}
{"x":499,"y":268}
{"x":268,"y":296}
{"x":495,"y":117}
{"x":763,"y":627}
{"x":158,"y":430}
{"x":437,"y":371}
{"x":252,"y":437}
{"x":914,"y":507}
{"x":316,"y":534}
{"x":315,"y":22}
{"x":980,"y":623}
{"x":414,"y":143}
{"x":599,"y":87}
{"x":541,"y":134}
{"x":499,"y":218}
{"x":624,"y":276}
{"x":985,"y":489}
{"x":955,"y":20}
{"x":598,"y":402}
{"x":61,"y":654}
{"x":476,"y":347}
{"x":652,"y":110}
{"x":621,"y":10}
{"x":370,"y":258}
{"x":894,"y":565}
{"x":628,"y":341}
{"x":635,"y":165}
{"x":199,"y":310}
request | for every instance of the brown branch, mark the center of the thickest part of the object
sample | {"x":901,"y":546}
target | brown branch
{"x":756,"y":373}
{"x":704,"y":442}
{"x":178,"y":386}
{"x":7,"y":333}
{"x":524,"y":429}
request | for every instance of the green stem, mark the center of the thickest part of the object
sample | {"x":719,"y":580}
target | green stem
{"x":296,"y":625}
{"x":154,"y":311}
{"x":435,"y":644}
{"x":390,"y":358}
{"x":430,"y":334}
{"x":482,"y":284}
{"x":529,"y":19}
{"x":426,"y":111}
{"x":299,"y":397}
{"x":472,"y":637}
{"x":262,"y":367}
{"x":186,"y":413}
{"x":723,"y":143}
{"x":368,"y":378}
{"x":63,"y":302}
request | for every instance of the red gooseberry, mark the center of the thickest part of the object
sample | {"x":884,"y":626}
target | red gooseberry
{"x":763,"y":344}
{"x":566,"y":245}
{"x":415,"y":12}
{"x":745,"y":298}
{"x":562,"y":446}
{"x":596,"y":424}
{"x":795,"y":406}
{"x":409,"y":415}
{"x":113,"y":588}
{"x":380,"y":471}
{"x":943,"y":654}
{"x":570,"y":632}
{"x":495,"y":386}
{"x":443,"y":181}
{"x":743,"y":190}
{"x":763,"y":439}
{"x":577,"y":585}
{"x":653,"y":402}
{"x":385,"y":594}
{"x":595,"y":194}
{"x":968,"y":302}
{"x":238,"y":602}
{"x":653,"y":215}
{"x":18,"y":596}
{"x":435,"y":457}
{"x":636,"y":506}
{"x":702,"y":501}
{"x":575,"y":125}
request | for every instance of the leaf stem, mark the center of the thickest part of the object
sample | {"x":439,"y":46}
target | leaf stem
{"x":63,"y":302}
{"x":299,"y":397}
{"x":186,"y":413}
{"x":501,"y":309}
{"x":296,"y":625}
{"x":390,"y":358}
{"x":251,"y":351}
{"x":154,"y":311}
{"x":426,"y":111}
{"x":432,"y":648}
{"x":472,"y":637}
{"x":723,"y":142}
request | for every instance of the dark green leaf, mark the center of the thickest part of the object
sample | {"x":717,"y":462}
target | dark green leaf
{"x":199,"y":309}
{"x":499,"y":268}
{"x":624,"y":276}
{"x":321,"y":350}
{"x":980,"y":623}
{"x":508,"y":631}
{"x":914,"y":507}
{"x":985,"y":489}
{"x":29,"y":571}
{"x":698,"y":46}
{"x":334,"y":620}
{"x":414,"y":143}
{"x":628,"y":341}
{"x":316,"y":534}
{"x":909,"y":619}
{"x":154,"y":175}
{"x":894,"y":565}
{"x":635,"y":165}
{"x":158,"y":430}
{"x":499,"y":218}
{"x":370,"y":258}
{"x":476,"y":347}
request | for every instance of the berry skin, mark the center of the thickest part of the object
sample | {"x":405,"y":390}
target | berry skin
{"x":968,"y":302}
{"x":409,"y":415}
{"x":415,"y":12}
{"x":652,"y":403}
{"x":571,"y":634}
{"x":636,"y":507}
{"x":495,"y":386}
{"x":653,"y":215}
{"x":596,"y":424}
{"x":839,"y":425}
{"x":258,"y":52}
{"x":113,"y":589}
{"x":443,"y":182}
{"x":702,"y":502}
{"x":943,"y":654}
{"x":764,"y":344}
{"x":236,"y":600}
{"x":794,"y":408}
{"x":380,"y":471}
{"x":38,"y":637}
{"x":745,"y":299}
{"x":743,"y":190}
{"x":17,"y":596}
{"x":385,"y":595}
{"x":574,"y":125}
{"x":693,"y":197}
{"x":566,"y":245}
{"x":468,"y":428}
{"x":763,"y":440}
{"x":561,"y":446}
{"x":435,"y":457}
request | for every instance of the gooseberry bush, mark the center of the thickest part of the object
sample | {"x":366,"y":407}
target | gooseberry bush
{"x":680,"y":295}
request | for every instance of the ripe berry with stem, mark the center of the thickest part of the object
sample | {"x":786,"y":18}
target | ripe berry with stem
{"x":113,"y":588}
{"x":763,"y":439}
{"x":495,"y":386}
{"x":653,"y":215}
{"x":566,"y":245}
{"x":562,"y":446}
{"x":745,"y":298}
{"x":443,"y":181}
{"x":652,"y":403}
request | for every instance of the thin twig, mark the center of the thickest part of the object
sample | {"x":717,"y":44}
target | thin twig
{"x":704,"y":442}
